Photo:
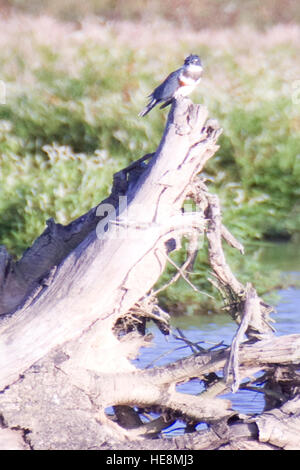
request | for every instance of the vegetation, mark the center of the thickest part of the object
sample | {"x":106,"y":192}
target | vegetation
{"x":193,"y":13}
{"x":69,"y":121}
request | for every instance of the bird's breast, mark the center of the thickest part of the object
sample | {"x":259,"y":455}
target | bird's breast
{"x":187,"y":81}
{"x":187,"y":78}
{"x":184,"y":90}
{"x":186,"y":84}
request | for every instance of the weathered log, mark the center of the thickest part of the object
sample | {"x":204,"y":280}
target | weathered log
{"x":115,"y":271}
{"x":61,"y":361}
{"x":21,"y":281}
{"x":57,"y":411}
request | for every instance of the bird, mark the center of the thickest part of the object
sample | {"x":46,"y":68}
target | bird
{"x":181,"y":82}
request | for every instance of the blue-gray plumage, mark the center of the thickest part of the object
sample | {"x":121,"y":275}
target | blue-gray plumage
{"x":179,"y":83}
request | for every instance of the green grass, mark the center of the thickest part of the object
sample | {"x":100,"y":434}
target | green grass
{"x":70,"y":121}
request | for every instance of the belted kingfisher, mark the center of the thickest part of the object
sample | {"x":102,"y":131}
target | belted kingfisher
{"x":179,"y":83}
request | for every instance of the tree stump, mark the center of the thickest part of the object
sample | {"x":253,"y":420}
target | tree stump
{"x":73,"y":310}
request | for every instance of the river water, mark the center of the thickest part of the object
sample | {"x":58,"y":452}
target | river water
{"x":213,"y":329}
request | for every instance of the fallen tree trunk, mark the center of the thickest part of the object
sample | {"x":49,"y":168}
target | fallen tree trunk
{"x":65,"y":307}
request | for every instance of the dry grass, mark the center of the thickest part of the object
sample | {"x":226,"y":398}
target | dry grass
{"x":195,"y":14}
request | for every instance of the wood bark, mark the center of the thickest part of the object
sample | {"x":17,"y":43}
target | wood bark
{"x":62,"y":362}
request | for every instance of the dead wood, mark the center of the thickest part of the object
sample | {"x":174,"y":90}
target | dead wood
{"x":73,"y":312}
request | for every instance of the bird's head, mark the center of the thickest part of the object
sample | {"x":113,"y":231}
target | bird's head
{"x":193,"y":60}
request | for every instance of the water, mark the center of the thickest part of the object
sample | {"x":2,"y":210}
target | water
{"x":213,"y":329}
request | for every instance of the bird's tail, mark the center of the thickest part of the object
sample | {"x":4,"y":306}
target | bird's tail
{"x":148,"y":108}
{"x":166,"y":103}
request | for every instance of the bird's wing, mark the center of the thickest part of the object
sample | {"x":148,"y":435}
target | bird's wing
{"x":166,"y":90}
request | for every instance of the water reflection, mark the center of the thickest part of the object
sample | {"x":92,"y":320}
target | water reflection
{"x":213,"y":329}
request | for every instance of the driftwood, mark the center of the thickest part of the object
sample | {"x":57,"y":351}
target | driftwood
{"x":73,"y":312}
